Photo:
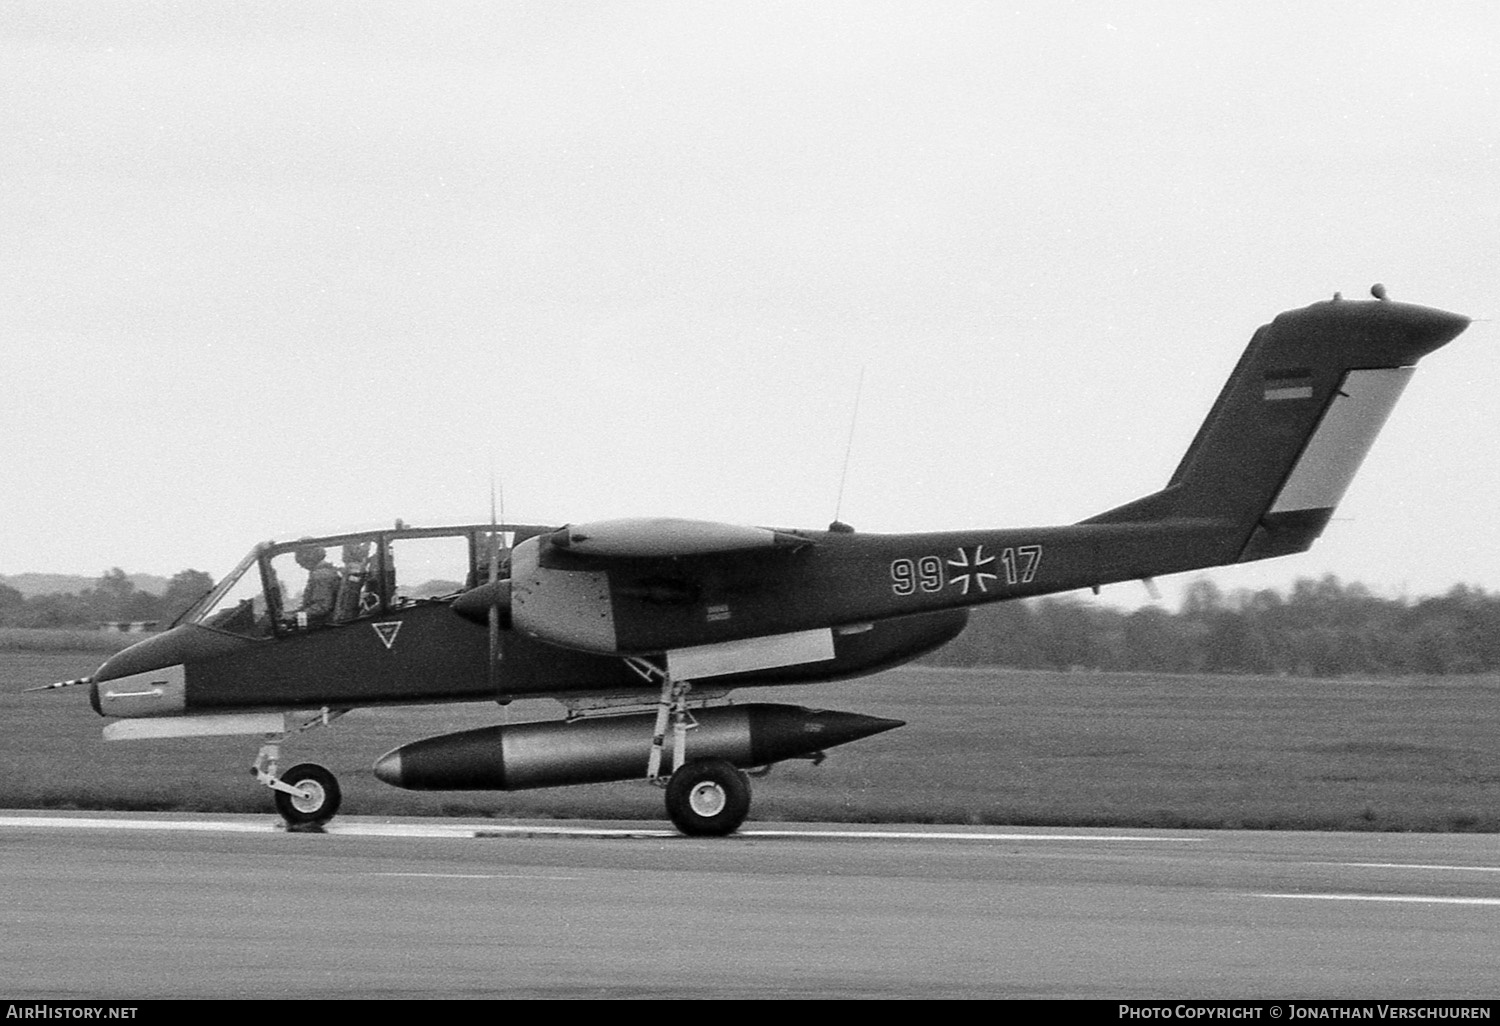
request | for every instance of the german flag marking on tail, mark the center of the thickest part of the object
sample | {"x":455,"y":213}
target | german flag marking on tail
{"x":1293,"y":383}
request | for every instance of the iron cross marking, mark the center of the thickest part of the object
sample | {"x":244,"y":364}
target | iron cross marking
{"x":967,"y":570}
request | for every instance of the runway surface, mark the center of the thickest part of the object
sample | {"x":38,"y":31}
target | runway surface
{"x":121,"y":906}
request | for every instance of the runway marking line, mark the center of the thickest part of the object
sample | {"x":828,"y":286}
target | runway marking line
{"x":879,"y":835}
{"x":1404,"y":899}
{"x":491,"y":830}
{"x":1409,"y":865}
{"x":478,"y":876}
{"x":488,"y":830}
{"x":133,"y":824}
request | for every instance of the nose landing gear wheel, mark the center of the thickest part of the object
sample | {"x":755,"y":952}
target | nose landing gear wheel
{"x":708,"y":798}
{"x":321,"y":802}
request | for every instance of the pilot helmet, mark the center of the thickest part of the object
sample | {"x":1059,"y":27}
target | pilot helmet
{"x":310,"y":556}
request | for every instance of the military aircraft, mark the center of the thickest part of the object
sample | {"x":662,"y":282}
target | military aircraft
{"x":640,"y":628}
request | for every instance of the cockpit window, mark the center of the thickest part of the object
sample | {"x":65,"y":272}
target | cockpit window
{"x":318,"y":584}
{"x":241,"y":605}
{"x":329,"y":581}
{"x":360,"y":589}
{"x":307,"y":586}
{"x":428,"y":567}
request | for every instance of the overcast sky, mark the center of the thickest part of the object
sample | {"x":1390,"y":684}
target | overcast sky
{"x":273,"y":269}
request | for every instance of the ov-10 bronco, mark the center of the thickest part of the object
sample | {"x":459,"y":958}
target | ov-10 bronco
{"x":641,"y":628}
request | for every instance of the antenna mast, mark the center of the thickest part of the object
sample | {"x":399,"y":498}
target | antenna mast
{"x":838,"y":506}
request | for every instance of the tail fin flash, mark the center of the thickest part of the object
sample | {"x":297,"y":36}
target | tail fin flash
{"x":1294,"y":422}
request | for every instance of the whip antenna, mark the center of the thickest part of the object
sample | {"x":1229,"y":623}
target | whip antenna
{"x":838,"y":506}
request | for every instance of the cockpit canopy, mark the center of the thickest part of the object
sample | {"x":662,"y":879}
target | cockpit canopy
{"x":314,"y":583}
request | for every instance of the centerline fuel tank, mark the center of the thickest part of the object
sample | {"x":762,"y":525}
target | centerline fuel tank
{"x":597,"y":749}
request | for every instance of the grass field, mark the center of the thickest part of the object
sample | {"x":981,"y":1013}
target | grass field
{"x":981,"y":746}
{"x":31,"y":639}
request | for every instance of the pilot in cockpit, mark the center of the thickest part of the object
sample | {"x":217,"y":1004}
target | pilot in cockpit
{"x":322,"y":591}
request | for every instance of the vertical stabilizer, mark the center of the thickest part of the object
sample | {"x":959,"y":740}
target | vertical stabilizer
{"x":1294,"y":422}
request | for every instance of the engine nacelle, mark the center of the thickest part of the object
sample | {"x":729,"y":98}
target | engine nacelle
{"x":571,"y":608}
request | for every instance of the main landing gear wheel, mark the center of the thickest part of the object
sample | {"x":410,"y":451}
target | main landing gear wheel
{"x":321,"y":803}
{"x":708,"y":798}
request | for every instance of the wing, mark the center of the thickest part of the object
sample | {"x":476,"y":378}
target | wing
{"x":564,"y":586}
{"x":661,"y":537}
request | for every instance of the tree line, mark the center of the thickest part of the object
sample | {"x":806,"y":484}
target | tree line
{"x":1321,"y":628}
{"x":113,"y":597}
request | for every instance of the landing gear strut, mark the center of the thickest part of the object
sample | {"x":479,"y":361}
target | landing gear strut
{"x":307,"y":795}
{"x":705,"y":797}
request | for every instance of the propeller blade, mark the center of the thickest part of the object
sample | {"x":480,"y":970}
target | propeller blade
{"x":494,"y":609}
{"x":494,"y":648}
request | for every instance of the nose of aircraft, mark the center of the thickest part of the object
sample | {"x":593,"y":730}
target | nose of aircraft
{"x":182,"y":645}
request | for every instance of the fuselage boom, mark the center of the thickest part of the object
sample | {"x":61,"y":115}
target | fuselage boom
{"x":644,"y":606}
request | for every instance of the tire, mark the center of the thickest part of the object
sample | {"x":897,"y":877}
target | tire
{"x":708,"y":798}
{"x":322,"y":803}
